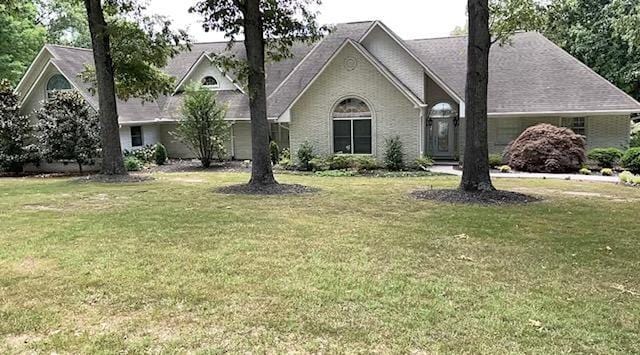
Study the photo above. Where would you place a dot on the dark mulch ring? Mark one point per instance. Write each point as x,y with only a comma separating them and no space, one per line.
275,189
497,197
115,179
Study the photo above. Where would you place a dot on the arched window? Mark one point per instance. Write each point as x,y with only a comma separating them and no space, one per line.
209,82
352,127
57,83
443,110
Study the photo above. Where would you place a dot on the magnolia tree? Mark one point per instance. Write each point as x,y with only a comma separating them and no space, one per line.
16,133
202,127
68,129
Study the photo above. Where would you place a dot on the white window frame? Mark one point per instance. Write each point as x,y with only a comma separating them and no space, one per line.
210,87
569,122
141,136
47,92
361,118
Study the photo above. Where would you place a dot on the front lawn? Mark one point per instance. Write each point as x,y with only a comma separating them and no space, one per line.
171,266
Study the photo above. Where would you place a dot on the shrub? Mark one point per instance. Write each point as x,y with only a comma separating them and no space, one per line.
305,154
606,172
635,179
505,169
625,176
495,160
16,132
605,157
146,154
585,171
545,148
343,162
393,155
285,160
320,164
68,129
274,151
202,127
132,163
423,163
161,154
631,160
635,136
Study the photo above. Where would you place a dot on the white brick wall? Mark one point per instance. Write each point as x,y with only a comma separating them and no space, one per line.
602,131
396,59
393,113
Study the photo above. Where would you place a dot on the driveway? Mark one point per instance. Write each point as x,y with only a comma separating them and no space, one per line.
448,169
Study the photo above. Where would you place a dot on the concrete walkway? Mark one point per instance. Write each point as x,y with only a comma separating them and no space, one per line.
448,169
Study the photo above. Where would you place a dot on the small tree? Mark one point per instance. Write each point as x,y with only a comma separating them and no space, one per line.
68,129
15,133
393,155
202,127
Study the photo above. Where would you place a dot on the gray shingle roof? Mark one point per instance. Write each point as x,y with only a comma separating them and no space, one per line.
530,75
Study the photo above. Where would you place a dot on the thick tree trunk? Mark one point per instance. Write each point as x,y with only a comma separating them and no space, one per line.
261,171
112,161
475,174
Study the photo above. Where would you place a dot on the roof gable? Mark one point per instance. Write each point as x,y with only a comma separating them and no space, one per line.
532,75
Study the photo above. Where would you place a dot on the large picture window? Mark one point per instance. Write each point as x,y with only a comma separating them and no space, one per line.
352,127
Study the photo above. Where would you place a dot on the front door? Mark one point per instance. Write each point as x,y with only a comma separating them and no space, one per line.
442,138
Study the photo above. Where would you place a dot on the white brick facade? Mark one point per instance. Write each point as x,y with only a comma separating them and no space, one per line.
393,113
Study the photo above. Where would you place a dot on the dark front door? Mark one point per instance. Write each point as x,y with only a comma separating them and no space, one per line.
442,138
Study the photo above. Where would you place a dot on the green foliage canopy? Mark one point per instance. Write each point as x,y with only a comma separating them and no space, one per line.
68,129
16,133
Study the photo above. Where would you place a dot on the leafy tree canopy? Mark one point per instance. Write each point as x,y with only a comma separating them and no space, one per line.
20,38
66,22
16,133
202,127
140,46
604,34
68,129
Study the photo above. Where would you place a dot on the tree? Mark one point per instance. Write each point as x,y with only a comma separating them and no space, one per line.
16,133
142,46
603,34
202,127
20,38
270,27
475,175
66,22
68,129
507,16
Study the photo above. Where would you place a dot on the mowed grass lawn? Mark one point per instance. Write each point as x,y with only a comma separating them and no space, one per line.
171,266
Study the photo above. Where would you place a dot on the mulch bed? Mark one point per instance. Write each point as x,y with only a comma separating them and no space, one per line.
114,179
184,166
275,189
497,197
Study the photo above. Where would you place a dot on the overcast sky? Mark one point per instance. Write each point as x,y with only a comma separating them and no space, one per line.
408,18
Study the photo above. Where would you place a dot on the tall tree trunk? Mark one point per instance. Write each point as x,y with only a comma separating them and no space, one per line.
261,171
112,161
475,174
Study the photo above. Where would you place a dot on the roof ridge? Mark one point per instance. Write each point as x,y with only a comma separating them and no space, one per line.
458,36
68,47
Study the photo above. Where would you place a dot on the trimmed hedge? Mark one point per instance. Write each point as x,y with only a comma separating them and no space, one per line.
605,157
631,160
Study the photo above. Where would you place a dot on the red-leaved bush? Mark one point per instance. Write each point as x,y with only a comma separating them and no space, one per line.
545,148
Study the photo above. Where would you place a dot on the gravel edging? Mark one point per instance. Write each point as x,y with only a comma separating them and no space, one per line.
497,197
275,189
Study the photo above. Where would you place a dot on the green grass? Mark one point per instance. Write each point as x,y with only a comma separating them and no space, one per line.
171,266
